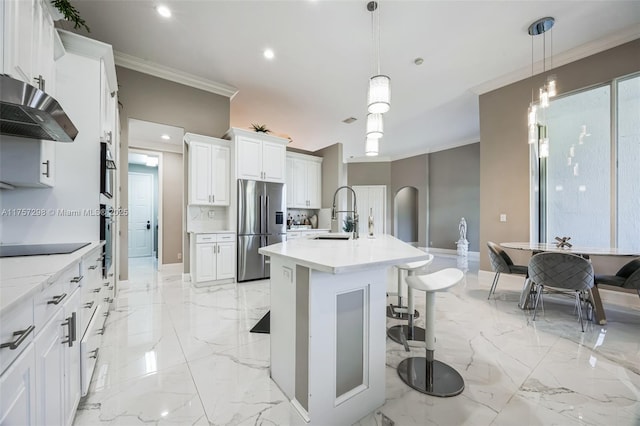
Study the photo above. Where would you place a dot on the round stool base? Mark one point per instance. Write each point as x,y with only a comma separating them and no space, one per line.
391,313
394,333
445,381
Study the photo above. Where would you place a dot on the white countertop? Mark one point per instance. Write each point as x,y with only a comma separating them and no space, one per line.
23,276
201,231
309,230
339,256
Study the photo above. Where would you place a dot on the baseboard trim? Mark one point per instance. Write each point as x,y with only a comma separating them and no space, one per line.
172,268
472,255
214,283
186,277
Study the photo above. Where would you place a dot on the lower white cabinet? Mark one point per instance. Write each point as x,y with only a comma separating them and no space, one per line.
72,392
214,257
18,390
50,372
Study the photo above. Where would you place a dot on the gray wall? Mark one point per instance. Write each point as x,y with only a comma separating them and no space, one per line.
504,152
412,171
173,182
454,192
150,98
333,172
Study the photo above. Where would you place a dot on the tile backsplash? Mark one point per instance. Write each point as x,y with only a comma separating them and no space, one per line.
207,219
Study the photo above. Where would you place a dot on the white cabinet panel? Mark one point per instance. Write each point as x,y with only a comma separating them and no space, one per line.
225,260
304,181
206,262
209,168
273,161
72,391
314,184
249,158
50,372
18,38
18,391
259,156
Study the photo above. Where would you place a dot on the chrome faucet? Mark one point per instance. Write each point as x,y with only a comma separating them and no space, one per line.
334,212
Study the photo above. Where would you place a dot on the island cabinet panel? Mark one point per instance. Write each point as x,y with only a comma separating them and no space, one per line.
328,353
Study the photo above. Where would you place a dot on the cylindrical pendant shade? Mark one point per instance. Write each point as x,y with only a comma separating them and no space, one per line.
371,147
375,128
551,86
532,117
379,94
533,133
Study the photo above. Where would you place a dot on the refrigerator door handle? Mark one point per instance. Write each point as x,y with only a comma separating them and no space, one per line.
260,212
266,217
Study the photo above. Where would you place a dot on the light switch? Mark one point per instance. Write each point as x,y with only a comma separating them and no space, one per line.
503,217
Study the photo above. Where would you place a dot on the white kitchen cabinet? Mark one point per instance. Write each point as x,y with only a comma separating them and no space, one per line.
27,162
259,156
209,161
18,391
215,257
304,181
50,376
72,391
28,43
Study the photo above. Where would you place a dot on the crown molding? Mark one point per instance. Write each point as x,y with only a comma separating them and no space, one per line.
616,39
172,74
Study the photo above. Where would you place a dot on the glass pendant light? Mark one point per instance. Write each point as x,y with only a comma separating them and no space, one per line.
375,128
544,142
379,94
371,147
532,114
533,137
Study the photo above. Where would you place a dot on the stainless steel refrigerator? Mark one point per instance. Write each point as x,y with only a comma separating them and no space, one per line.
261,222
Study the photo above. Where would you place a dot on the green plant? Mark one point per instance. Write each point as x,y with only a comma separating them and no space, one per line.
70,13
260,128
348,224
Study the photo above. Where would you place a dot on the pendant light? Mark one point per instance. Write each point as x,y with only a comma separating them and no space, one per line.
371,147
379,95
375,128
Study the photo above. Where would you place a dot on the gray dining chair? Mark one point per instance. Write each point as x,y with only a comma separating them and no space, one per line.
501,263
627,277
562,271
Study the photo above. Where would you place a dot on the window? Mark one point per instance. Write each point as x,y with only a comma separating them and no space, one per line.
579,196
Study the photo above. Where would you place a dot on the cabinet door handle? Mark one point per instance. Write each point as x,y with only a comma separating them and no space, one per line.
46,164
97,290
89,305
77,279
71,324
23,335
111,288
92,267
213,198
101,330
106,314
41,82
106,284
57,299
95,353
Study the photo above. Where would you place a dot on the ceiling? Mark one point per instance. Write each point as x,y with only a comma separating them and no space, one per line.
323,58
146,132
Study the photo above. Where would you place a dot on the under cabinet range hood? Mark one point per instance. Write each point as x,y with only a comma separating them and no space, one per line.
28,112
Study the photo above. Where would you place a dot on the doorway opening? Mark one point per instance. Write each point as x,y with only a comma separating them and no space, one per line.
145,216
406,214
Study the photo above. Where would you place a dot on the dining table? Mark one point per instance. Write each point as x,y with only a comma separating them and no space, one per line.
596,301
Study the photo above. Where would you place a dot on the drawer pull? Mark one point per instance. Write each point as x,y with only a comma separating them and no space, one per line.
106,314
108,299
106,284
89,305
23,335
101,330
71,324
96,290
92,267
95,353
77,279
100,259
57,299
111,274
111,288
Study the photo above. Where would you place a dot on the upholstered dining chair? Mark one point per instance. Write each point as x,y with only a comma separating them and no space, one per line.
561,271
627,277
501,263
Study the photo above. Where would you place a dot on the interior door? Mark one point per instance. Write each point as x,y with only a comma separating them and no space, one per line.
140,211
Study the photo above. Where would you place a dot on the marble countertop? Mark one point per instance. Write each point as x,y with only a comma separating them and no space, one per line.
309,230
23,276
340,256
222,231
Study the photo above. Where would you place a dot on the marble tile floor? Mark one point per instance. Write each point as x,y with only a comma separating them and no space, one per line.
174,354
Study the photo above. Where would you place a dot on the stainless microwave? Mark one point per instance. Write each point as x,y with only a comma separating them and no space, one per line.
107,169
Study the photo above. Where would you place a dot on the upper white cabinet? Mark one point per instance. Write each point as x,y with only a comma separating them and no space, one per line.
28,43
304,181
30,163
209,161
259,156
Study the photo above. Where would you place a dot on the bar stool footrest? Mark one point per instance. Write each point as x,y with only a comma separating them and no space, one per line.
393,314
394,334
444,380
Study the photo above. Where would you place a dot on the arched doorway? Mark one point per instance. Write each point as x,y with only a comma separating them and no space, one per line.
405,204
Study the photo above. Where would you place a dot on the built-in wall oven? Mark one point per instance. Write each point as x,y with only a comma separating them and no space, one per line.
106,225
107,169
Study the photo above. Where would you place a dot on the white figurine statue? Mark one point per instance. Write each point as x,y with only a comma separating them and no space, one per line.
462,229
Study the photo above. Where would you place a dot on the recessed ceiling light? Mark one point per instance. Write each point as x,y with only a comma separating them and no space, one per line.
164,11
268,53
165,137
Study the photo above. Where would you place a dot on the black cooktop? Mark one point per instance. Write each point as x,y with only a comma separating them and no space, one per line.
39,249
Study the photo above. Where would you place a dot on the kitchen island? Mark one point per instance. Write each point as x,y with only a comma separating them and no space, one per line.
328,323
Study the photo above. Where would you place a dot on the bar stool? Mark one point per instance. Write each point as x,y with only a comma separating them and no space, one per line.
427,375
410,332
